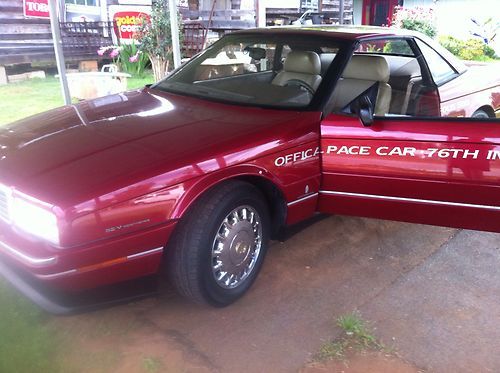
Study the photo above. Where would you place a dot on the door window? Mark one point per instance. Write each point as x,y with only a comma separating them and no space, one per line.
440,70
402,78
389,74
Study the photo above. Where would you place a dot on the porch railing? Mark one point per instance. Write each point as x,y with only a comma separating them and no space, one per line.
83,39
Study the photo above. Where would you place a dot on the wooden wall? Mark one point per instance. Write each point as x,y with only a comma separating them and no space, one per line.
23,40
29,40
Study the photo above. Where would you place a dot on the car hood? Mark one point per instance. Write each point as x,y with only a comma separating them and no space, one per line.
77,152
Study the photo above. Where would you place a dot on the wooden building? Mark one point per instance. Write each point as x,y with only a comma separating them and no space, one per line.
238,14
87,25
26,40
23,40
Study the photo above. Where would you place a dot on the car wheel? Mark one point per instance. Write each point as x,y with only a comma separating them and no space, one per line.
480,114
219,247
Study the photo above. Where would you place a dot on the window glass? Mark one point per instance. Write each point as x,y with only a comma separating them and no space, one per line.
83,2
259,69
389,46
440,69
238,59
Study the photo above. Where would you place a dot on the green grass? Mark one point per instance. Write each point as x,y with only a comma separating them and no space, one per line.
356,335
23,99
20,100
152,364
140,82
354,326
26,342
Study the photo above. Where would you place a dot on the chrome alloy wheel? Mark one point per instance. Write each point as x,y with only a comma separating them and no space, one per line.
236,247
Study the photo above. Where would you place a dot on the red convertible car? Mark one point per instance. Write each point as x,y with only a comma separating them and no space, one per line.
265,128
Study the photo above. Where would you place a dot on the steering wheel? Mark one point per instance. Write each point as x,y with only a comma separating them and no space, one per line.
301,84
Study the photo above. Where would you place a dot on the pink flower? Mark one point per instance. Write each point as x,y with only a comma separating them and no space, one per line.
114,53
101,51
134,58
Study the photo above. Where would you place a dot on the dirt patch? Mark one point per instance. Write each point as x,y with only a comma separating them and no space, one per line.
122,340
362,362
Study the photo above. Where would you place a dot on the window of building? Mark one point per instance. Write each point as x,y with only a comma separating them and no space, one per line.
83,2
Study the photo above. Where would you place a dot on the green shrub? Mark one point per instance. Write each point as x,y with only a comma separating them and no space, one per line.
470,49
453,45
490,52
132,60
473,50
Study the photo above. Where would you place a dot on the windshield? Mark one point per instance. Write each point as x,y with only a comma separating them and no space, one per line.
263,70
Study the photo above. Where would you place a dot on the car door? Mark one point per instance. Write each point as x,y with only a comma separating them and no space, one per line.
433,171
409,164
405,163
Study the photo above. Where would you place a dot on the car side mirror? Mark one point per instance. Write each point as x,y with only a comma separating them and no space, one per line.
364,110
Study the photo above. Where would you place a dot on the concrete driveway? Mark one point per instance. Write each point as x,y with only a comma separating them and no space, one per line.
432,293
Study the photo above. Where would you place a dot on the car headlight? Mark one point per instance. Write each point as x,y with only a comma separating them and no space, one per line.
34,219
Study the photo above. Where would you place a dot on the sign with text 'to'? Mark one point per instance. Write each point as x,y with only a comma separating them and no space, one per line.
36,8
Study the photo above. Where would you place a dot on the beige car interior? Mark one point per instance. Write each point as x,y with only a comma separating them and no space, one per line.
303,66
406,83
326,60
362,73
397,78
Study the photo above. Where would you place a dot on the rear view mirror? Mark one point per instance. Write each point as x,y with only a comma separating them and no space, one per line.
363,108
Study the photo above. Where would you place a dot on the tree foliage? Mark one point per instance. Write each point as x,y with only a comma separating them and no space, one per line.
155,38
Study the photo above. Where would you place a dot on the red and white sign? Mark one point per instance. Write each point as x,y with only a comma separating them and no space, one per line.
36,8
128,20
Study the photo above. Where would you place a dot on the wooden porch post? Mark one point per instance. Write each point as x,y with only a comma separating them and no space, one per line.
56,38
341,11
174,29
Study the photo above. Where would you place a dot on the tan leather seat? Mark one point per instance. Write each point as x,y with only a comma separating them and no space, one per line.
326,60
300,65
362,73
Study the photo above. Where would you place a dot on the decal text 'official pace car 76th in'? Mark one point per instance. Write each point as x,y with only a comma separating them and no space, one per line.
265,128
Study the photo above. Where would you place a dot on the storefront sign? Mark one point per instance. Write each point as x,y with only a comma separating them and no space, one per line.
36,8
127,21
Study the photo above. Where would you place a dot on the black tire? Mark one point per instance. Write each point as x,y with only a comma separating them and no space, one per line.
480,114
194,254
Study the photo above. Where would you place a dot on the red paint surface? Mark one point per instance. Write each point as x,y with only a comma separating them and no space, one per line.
107,163
450,164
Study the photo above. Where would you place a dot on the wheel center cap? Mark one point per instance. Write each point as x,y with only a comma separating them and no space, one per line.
241,248
241,244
